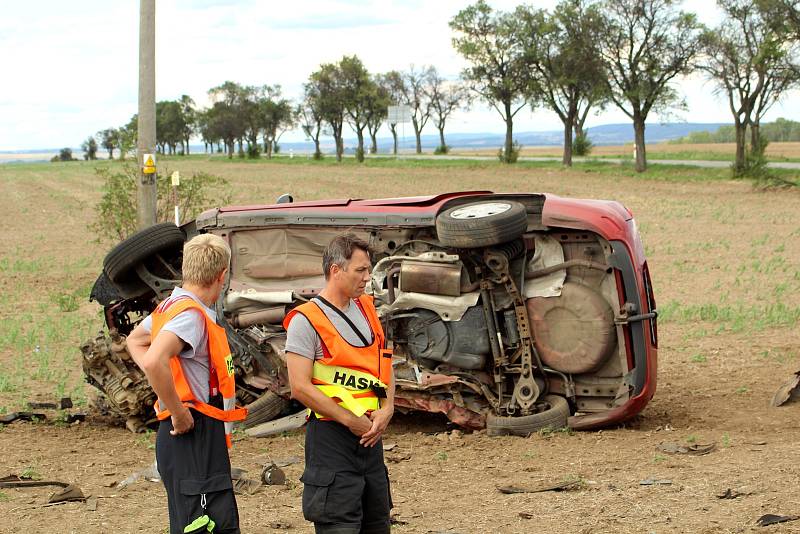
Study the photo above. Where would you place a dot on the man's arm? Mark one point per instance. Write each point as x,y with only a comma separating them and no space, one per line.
153,358
301,371
380,418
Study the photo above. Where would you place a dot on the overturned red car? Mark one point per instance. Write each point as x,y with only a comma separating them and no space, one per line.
514,312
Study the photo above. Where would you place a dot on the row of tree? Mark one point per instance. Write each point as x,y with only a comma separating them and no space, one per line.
582,56
253,118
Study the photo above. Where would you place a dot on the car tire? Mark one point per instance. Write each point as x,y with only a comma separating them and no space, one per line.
481,224
128,254
265,408
554,418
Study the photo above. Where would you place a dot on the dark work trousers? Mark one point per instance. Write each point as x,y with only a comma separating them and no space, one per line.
195,464
346,486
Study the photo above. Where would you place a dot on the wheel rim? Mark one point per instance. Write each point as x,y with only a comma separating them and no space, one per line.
480,211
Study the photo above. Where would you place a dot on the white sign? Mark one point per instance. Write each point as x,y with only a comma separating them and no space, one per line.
399,114
176,179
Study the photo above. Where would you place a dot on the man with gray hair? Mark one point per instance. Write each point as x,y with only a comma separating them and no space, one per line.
340,369
186,358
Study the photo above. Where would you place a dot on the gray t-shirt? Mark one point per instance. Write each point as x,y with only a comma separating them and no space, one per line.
191,328
302,339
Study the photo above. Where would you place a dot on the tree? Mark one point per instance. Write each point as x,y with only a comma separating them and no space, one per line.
783,15
189,120
226,116
276,115
445,98
393,84
310,117
330,97
562,49
65,154
89,148
416,96
357,90
750,61
489,42
109,139
646,44
377,109
127,137
170,126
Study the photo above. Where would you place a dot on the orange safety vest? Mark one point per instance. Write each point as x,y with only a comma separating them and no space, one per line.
354,376
221,376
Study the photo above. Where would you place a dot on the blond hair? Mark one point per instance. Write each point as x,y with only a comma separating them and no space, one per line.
204,257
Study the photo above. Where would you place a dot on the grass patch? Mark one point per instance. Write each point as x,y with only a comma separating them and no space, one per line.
737,317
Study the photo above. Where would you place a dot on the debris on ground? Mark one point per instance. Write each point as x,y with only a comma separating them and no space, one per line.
91,504
526,515
280,525
389,446
397,457
655,482
732,494
148,473
272,475
21,416
289,460
67,492
789,391
564,485
695,449
772,519
276,426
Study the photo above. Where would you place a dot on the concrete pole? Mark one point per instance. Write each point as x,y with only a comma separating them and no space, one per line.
146,187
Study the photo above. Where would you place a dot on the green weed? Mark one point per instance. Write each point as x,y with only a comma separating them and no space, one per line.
658,458
4,497
726,440
741,390
441,456
698,358
30,473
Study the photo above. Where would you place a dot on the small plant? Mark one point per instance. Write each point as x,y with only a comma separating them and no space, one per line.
741,390
581,145
145,440
511,157
66,303
726,440
4,497
253,151
30,473
441,150
698,358
691,438
659,458
441,456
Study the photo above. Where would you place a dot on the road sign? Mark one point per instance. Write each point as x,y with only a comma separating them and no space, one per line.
399,114
148,163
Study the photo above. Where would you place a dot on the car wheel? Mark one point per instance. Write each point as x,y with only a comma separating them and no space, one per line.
553,417
481,224
265,408
127,255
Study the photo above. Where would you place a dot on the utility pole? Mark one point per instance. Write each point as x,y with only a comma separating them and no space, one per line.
145,153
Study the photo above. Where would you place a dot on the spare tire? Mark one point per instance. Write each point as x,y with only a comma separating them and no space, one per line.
265,408
128,254
481,224
553,416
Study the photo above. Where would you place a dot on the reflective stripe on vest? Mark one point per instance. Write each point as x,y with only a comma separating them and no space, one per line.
221,372
354,389
347,373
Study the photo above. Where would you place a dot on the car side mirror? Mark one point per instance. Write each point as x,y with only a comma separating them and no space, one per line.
285,198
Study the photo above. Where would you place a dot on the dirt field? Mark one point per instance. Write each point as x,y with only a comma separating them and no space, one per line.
725,261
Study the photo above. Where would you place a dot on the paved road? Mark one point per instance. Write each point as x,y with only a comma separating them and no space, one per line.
691,163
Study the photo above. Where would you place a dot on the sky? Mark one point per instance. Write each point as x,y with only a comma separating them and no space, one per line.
70,69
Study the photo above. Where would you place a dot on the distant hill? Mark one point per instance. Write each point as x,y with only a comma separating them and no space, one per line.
607,134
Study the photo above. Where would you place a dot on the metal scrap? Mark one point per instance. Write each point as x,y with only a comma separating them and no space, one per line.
789,391
772,519
696,449
21,416
284,424
564,485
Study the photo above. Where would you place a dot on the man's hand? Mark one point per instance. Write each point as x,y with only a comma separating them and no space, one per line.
182,421
380,420
359,425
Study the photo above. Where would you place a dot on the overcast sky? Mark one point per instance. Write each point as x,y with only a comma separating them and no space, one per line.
70,69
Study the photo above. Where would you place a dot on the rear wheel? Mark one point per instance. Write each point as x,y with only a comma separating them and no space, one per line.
554,414
481,224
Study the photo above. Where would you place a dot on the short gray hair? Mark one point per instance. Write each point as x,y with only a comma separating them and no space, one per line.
340,250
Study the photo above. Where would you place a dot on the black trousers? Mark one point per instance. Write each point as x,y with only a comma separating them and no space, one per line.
196,470
346,486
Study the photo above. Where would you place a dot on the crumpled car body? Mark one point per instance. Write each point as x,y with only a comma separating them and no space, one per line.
514,312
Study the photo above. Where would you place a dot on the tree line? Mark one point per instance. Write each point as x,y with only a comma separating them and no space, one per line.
780,131
580,57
